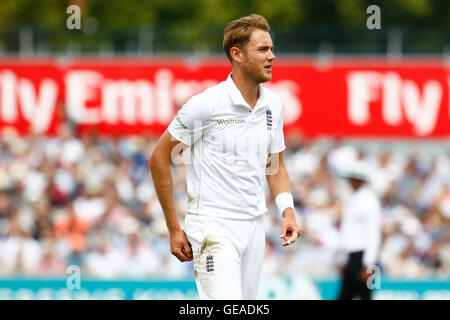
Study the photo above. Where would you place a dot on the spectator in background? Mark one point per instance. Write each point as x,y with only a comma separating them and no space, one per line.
73,229
360,234
52,263
6,206
105,261
19,252
140,260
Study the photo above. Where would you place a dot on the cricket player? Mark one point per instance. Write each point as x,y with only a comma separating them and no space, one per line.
360,234
234,133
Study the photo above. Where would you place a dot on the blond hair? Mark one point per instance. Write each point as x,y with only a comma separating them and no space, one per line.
237,32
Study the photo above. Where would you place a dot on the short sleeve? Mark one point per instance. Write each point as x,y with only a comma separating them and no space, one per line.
191,121
277,139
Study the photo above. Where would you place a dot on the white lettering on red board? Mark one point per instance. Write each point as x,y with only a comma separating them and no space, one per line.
123,100
36,107
420,106
92,98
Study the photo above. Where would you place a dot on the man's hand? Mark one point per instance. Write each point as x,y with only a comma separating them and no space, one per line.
289,228
180,246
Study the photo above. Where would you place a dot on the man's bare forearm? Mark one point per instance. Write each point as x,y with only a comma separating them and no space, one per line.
279,182
162,180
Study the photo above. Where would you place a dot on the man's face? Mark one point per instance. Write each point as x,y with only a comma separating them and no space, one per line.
258,56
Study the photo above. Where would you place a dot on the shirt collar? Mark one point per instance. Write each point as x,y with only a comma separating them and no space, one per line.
238,99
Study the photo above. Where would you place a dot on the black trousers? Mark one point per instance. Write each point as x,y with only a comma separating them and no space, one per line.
352,286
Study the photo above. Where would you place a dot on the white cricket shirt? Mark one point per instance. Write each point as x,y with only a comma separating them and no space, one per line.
230,146
361,224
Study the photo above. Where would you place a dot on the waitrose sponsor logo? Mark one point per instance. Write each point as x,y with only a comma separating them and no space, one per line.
230,121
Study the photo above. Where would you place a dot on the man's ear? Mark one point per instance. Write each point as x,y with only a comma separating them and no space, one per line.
236,54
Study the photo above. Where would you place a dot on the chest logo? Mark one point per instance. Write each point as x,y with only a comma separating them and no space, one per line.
269,119
230,121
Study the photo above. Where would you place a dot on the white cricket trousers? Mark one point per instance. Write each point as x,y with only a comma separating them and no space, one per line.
228,256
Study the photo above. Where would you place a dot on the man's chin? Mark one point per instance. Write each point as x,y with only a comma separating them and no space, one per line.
266,77
261,77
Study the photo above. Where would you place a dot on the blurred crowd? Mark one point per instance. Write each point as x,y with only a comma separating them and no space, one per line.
89,201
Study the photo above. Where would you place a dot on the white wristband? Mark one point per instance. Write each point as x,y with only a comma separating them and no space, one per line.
284,200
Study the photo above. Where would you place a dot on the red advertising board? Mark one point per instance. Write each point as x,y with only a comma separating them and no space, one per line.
344,98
